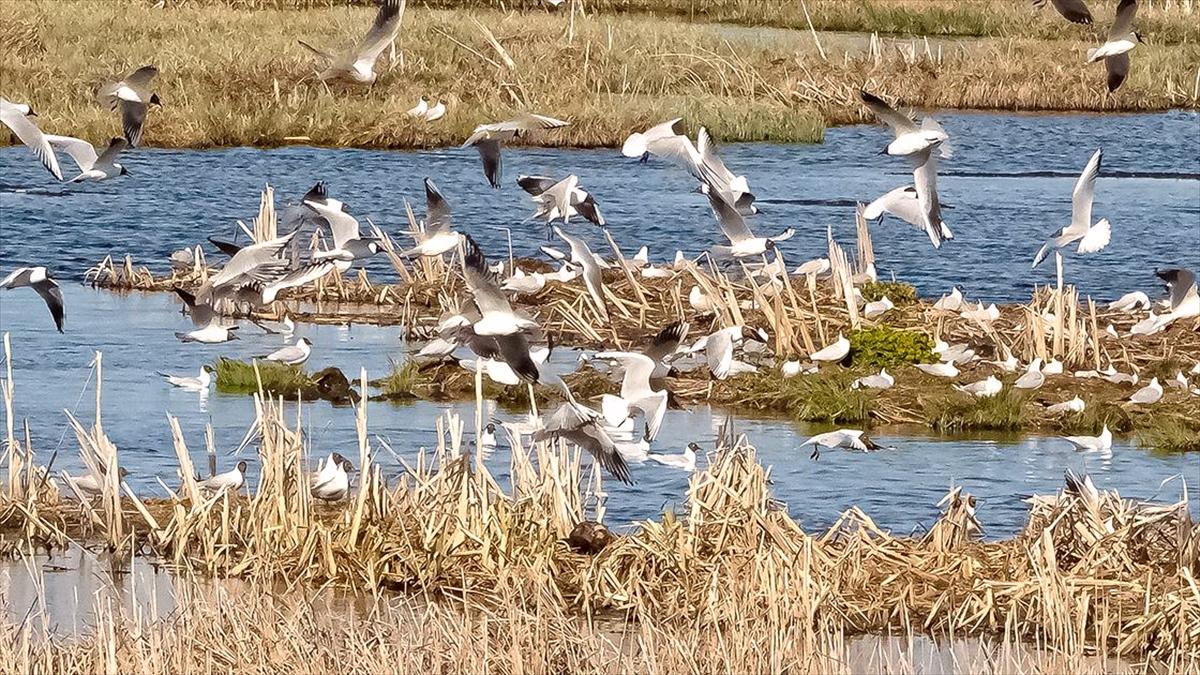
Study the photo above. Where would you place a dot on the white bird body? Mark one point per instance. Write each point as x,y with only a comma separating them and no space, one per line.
813,268
794,368
1130,302
1151,393
685,461
1101,442
981,314
851,439
983,388
938,369
1075,405
638,143
699,301
435,112
1091,238
292,355
1053,367
1008,365
636,393
1032,378
951,302
233,479
1112,48
878,308
836,351
199,383
524,284
883,380
332,482
209,334
419,109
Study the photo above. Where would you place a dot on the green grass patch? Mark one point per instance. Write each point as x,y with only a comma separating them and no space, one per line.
898,292
824,397
886,347
404,381
1095,417
961,412
239,377
1171,436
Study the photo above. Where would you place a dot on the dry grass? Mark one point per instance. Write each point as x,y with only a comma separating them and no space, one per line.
233,76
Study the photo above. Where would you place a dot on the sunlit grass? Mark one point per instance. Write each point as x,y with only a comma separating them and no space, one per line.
1172,436
824,397
961,412
239,377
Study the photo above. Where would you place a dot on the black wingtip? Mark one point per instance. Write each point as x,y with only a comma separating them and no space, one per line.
317,193
228,248
474,257
432,194
868,97
187,296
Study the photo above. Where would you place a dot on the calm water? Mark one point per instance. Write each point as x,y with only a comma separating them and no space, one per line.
1009,182
898,488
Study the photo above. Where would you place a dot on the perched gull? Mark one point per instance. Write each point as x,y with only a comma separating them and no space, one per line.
133,97
1122,38
232,479
983,388
582,426
358,66
199,383
685,461
487,139
92,166
980,313
878,308
812,268
1053,367
835,351
1184,296
910,140
1032,378
1130,302
699,300
16,116
905,203
436,237
639,143
1074,11
1101,442
87,485
1075,405
561,199
851,439
958,354
521,283
582,256
291,355
332,483
1091,238
742,241
636,393
1148,394
348,243
39,279
951,302
718,350
794,368
435,112
883,380
419,110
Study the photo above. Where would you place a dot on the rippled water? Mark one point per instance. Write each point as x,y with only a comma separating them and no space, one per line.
1009,184
898,488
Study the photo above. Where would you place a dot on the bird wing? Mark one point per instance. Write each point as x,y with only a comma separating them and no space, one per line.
289,353
899,122
342,225
13,280
139,80
80,150
1096,238
482,283
663,130
52,294
901,202
257,261
133,118
589,209
1123,23
667,341
719,353
32,137
437,210
115,147
228,248
1074,11
1179,282
383,32
678,149
925,182
1081,197
712,168
638,368
1117,69
325,55
535,185
514,351
593,438
531,122
654,407
733,225
489,154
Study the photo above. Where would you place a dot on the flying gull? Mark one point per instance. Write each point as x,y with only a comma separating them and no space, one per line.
435,237
16,116
133,97
39,279
92,166
561,199
636,393
583,426
1091,238
851,439
1075,11
742,241
497,319
358,65
593,279
1122,38
348,243
487,139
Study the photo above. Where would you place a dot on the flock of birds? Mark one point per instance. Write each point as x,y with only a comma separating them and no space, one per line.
508,344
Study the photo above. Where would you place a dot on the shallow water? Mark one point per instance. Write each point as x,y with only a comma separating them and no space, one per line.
1009,184
898,488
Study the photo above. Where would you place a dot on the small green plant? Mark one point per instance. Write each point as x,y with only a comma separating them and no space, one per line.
961,412
883,346
825,397
238,377
898,292
403,381
1171,436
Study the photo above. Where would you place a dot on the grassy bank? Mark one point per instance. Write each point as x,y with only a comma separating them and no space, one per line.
236,76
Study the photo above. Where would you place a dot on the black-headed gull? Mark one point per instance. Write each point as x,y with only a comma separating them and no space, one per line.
358,65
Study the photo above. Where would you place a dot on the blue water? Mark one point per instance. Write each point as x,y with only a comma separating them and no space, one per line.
1009,184
898,488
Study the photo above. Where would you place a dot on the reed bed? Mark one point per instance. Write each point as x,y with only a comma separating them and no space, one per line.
1091,572
233,76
